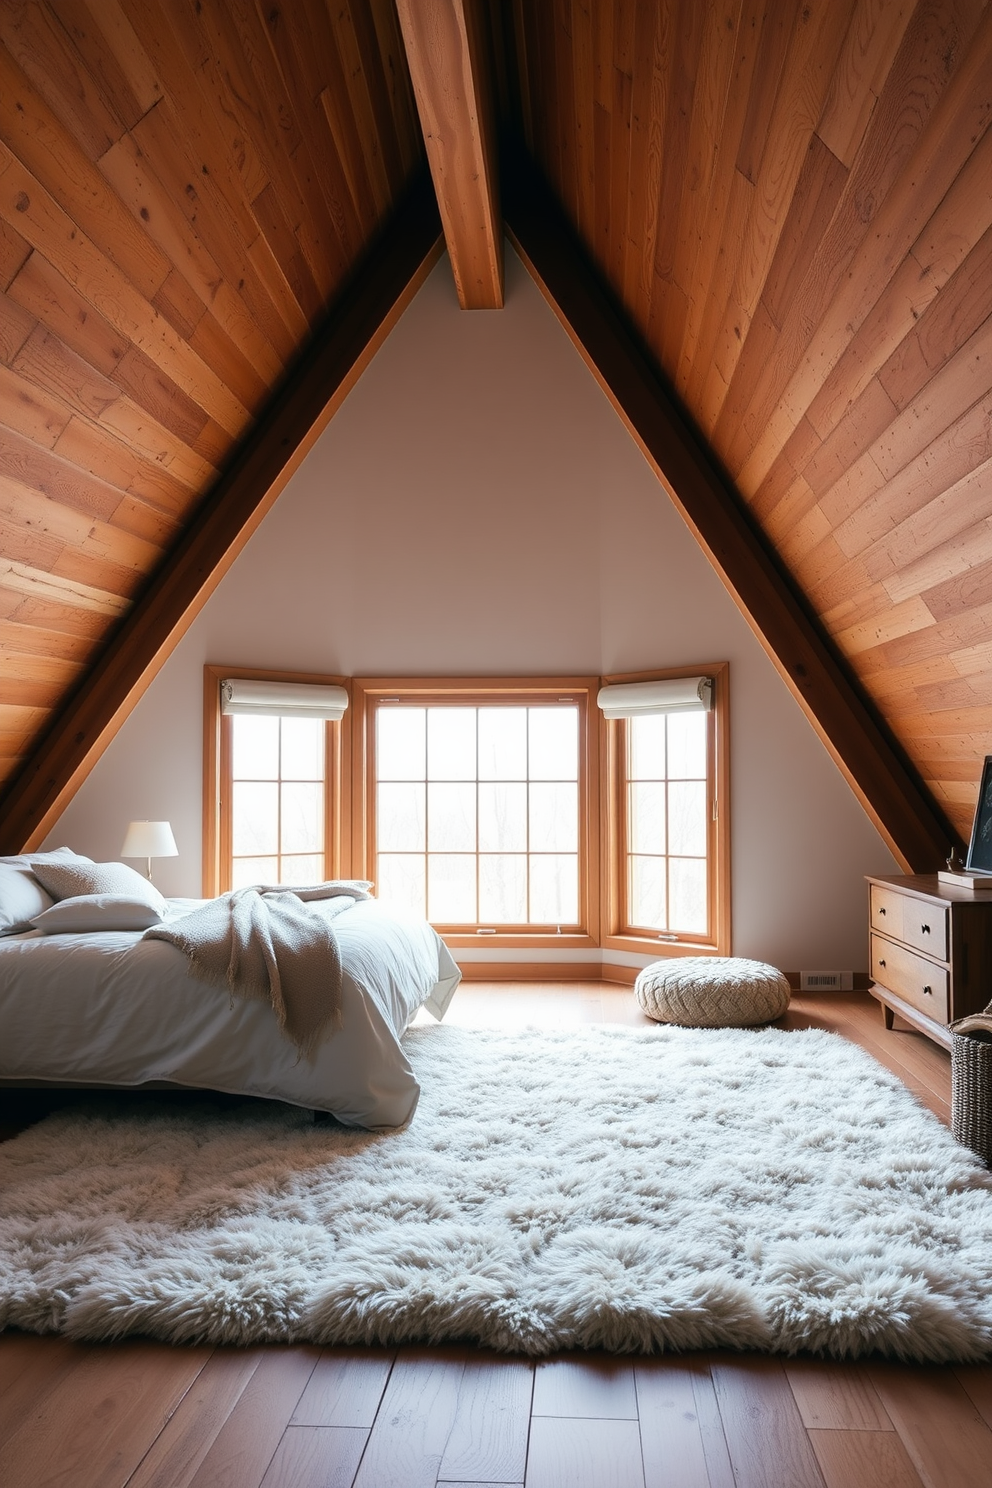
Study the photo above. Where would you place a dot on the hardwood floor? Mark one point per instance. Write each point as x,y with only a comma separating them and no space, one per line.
146,1415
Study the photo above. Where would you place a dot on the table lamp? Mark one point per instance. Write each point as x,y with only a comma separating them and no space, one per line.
148,839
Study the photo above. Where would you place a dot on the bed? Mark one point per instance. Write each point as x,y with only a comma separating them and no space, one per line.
113,1008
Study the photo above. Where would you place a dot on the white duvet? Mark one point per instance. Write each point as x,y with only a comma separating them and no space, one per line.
110,1008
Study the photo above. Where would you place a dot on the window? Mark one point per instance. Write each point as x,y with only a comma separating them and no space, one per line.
666,810
483,804
477,804
273,814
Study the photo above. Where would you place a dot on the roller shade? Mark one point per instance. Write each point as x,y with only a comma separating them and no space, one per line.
283,699
635,699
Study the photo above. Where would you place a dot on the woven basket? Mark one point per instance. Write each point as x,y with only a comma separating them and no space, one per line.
971,1092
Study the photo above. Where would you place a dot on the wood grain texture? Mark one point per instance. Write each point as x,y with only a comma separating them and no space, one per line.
175,219
253,477
449,66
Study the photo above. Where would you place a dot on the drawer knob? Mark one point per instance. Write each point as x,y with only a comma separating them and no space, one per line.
881,909
928,991
880,961
925,929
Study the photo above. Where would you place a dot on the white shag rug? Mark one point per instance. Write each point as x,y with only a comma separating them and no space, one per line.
597,1188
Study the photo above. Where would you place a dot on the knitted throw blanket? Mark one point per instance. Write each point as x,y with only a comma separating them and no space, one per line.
263,943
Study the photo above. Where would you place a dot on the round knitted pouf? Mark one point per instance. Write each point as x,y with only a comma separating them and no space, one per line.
712,992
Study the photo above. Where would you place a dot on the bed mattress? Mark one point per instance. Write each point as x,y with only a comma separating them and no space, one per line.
111,1008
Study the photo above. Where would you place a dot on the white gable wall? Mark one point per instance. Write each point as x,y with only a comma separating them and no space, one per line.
477,507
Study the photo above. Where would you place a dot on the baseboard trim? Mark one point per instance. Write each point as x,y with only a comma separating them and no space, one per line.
593,971
544,971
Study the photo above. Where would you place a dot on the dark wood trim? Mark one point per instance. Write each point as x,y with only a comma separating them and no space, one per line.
871,759
330,365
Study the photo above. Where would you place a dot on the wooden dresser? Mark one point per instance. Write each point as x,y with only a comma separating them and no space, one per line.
931,952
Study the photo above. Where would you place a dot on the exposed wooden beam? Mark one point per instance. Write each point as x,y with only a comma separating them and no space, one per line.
445,49
873,762
262,463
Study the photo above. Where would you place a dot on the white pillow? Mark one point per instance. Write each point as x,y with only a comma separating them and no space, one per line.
21,897
96,912
67,879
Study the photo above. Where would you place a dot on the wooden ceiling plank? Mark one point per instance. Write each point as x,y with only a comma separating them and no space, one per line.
870,48
214,443
47,295
818,191
45,515
951,512
211,342
303,44
249,86
953,116
43,49
444,47
153,389
47,149
964,304
14,252
710,272
16,326
53,232
905,299
959,384
221,162
620,105
30,411
27,464
360,34
18,638
583,98
147,522
111,36
397,87
159,138
967,550
865,421
273,277
48,588
285,248
181,307
32,610
877,769
961,448
813,49
710,104
666,321
654,39
266,458
50,365
140,431
298,53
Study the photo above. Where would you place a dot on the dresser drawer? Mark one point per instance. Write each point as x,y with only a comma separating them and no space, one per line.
919,924
911,977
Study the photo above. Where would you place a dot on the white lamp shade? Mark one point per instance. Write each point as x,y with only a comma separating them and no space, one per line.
148,839
284,699
676,695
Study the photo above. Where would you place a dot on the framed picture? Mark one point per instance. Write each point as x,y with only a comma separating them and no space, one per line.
980,847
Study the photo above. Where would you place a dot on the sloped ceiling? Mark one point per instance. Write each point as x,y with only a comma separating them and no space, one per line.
792,201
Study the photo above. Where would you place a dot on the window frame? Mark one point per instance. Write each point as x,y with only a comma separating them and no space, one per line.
618,933
217,765
368,694
350,806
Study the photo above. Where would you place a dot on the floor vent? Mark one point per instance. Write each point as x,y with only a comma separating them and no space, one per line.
826,981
